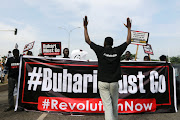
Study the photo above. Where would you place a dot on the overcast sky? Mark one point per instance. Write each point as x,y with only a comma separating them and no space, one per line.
39,21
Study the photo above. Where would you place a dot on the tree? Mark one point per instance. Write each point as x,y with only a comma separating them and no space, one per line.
175,59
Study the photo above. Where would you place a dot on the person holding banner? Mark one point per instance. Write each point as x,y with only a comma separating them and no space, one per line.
66,53
163,58
127,56
108,70
13,66
146,58
29,53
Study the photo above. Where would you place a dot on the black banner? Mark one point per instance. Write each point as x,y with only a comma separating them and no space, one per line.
71,86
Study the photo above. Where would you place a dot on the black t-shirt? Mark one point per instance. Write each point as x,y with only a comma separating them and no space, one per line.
109,61
13,67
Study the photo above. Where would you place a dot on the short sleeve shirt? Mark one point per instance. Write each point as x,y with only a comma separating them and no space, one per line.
109,61
13,67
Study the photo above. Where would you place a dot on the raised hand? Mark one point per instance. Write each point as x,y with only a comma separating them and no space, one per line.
128,25
85,21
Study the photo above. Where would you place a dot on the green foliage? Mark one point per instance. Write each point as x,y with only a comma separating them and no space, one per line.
154,60
175,59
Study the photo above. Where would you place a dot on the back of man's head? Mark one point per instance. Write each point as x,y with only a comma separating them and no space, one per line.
108,41
16,53
163,58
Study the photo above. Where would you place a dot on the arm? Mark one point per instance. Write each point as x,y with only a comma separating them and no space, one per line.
87,39
128,41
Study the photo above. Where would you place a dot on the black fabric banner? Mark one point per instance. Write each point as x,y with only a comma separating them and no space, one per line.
64,85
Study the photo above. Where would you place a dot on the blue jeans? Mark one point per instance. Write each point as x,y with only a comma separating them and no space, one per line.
109,95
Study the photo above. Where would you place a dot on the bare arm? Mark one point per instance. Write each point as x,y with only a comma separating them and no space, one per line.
87,39
128,41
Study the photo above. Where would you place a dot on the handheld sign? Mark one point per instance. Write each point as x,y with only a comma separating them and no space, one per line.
139,37
148,49
51,48
28,47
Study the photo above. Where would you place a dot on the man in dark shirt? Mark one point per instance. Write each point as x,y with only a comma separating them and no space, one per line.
109,70
13,68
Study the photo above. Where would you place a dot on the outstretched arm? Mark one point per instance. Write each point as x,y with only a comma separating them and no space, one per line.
128,41
87,39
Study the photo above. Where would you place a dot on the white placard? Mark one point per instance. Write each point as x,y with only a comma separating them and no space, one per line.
139,37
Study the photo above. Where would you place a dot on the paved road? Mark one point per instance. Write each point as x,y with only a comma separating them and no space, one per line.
30,115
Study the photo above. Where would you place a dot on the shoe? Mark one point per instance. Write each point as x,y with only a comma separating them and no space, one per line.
8,109
19,109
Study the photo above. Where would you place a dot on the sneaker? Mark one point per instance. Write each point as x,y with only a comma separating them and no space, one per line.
8,109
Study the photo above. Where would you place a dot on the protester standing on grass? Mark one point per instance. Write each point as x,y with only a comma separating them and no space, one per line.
108,70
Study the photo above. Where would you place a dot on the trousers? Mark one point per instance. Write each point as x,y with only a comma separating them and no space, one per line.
12,82
109,95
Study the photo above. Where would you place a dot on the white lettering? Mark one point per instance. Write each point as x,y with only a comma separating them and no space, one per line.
147,106
100,106
128,106
136,107
72,107
47,82
67,77
162,84
53,104
63,106
78,83
109,55
133,88
95,107
86,78
157,86
80,108
141,85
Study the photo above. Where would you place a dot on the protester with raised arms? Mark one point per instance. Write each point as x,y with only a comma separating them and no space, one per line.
108,70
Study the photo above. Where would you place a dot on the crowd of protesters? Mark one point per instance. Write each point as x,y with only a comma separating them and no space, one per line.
108,70
12,65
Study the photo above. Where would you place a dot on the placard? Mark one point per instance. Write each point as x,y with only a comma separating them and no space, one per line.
148,49
139,37
51,48
28,47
